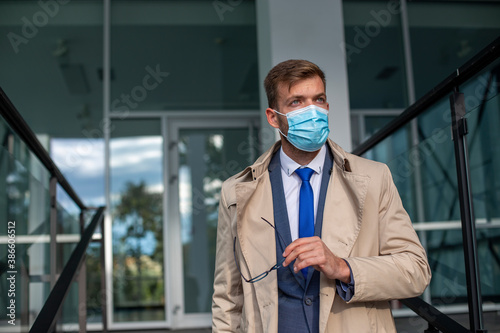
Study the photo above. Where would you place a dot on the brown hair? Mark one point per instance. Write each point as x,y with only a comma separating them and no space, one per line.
289,72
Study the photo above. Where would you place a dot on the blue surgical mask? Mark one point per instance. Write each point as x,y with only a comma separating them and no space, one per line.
307,127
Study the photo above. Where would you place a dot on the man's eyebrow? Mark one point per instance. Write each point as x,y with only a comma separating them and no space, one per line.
302,96
295,97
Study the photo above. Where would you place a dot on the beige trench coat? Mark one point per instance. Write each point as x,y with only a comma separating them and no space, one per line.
364,222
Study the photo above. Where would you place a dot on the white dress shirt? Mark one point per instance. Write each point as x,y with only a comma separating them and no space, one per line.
292,182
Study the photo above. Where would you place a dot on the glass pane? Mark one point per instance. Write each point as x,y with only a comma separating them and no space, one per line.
24,240
422,162
207,158
136,150
175,55
364,125
445,35
82,163
373,124
446,259
433,162
94,287
70,309
424,173
374,55
488,243
391,147
68,227
483,121
482,101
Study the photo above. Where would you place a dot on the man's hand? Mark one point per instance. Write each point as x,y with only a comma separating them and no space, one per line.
311,251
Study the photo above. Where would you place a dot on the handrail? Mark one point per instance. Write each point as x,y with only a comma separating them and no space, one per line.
19,125
433,316
47,317
462,74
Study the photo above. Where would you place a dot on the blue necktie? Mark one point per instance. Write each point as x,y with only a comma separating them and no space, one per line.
306,207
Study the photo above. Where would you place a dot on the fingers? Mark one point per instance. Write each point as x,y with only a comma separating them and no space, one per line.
306,252
311,251
300,242
294,249
315,259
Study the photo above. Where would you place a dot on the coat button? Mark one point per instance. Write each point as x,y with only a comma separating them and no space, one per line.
308,301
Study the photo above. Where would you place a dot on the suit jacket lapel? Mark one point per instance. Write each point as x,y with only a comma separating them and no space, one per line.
280,210
279,201
325,179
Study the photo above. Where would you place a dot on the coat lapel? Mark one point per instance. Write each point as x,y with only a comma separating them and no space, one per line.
257,242
343,212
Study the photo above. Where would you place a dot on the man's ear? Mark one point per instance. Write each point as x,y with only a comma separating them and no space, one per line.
272,118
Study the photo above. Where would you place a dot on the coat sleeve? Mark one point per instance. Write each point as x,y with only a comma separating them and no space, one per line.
400,270
227,301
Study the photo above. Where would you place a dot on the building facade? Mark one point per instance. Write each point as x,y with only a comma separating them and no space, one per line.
148,106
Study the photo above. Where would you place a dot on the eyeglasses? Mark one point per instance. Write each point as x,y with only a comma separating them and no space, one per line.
266,273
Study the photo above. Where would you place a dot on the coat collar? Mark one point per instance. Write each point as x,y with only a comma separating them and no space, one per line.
261,164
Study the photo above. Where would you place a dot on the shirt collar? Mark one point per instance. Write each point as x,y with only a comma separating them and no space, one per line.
289,166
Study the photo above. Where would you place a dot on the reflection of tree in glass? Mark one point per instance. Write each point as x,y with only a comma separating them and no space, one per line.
94,288
140,211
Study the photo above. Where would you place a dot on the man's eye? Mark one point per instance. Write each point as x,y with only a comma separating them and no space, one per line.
295,102
321,99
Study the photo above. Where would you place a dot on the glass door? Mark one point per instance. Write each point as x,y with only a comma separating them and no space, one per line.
136,210
202,154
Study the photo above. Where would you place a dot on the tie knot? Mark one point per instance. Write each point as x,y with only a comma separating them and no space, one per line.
304,174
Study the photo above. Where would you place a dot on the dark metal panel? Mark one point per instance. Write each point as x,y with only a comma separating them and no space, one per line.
459,130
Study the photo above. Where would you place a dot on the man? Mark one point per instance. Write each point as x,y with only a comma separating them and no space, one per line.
311,238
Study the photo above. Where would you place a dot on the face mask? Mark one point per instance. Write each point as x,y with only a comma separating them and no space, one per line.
307,127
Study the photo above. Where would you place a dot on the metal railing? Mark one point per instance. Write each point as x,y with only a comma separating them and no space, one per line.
75,266
450,87
47,317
